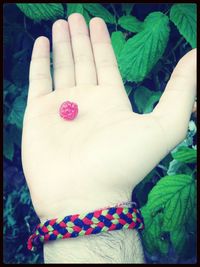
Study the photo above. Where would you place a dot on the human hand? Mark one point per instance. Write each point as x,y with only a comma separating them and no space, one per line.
97,159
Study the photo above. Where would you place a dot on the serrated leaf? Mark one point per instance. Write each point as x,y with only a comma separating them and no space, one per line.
78,8
39,12
97,10
130,23
185,154
17,112
118,41
143,50
127,8
184,16
175,195
145,99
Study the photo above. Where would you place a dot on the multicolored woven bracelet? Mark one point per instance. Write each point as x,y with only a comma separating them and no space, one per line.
107,219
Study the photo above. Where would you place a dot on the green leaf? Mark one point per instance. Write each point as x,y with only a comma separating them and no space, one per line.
175,196
127,8
97,10
74,8
152,235
191,225
39,12
178,238
118,42
143,50
8,145
184,16
78,8
17,112
130,23
185,154
145,99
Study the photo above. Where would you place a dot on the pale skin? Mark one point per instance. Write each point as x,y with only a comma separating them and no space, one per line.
97,159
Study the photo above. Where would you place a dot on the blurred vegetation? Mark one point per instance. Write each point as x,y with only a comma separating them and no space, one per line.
148,40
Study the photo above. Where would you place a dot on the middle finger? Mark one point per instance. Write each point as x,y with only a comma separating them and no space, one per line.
85,72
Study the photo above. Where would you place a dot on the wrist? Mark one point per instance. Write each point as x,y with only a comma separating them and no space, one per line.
122,246
88,247
78,205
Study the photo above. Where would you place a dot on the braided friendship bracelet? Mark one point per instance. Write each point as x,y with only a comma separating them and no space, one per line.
107,219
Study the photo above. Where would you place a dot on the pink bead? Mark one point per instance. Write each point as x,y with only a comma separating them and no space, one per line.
68,110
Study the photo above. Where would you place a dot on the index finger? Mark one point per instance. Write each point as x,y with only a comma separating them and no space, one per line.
40,81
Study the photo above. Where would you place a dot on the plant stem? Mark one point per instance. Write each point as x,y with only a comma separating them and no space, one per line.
162,167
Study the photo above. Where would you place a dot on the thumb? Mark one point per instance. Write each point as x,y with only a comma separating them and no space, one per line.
176,104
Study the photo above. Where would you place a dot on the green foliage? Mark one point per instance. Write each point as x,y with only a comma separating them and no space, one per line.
184,16
146,54
130,23
145,99
153,236
167,210
143,50
118,42
74,8
14,107
39,12
179,238
185,154
98,10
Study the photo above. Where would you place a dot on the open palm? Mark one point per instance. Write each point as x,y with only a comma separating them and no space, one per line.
96,159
